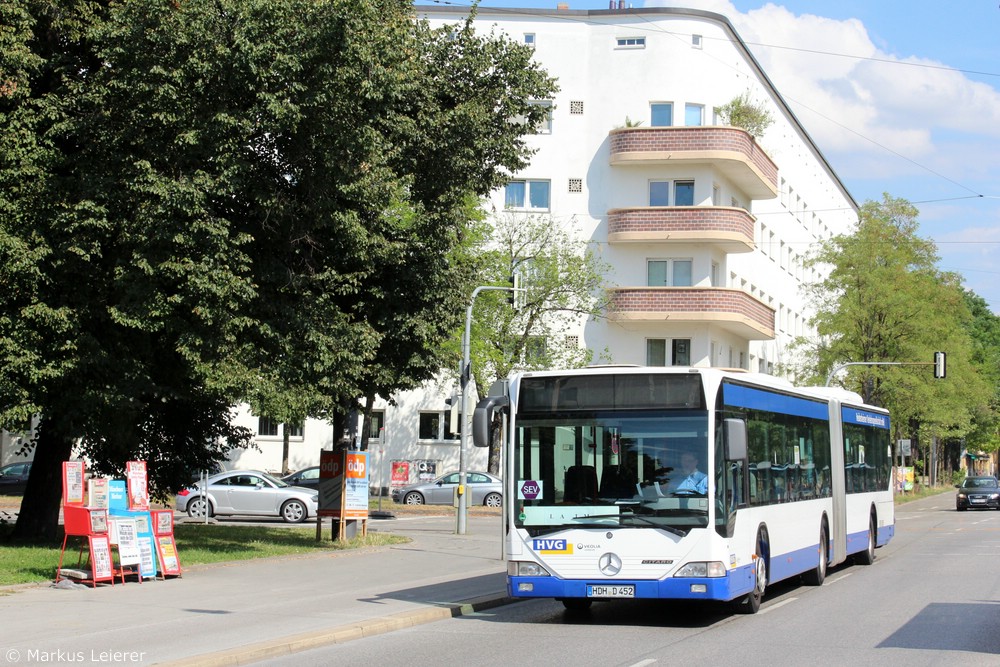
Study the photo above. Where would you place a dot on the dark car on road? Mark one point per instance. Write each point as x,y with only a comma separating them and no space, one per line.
981,491
307,478
14,477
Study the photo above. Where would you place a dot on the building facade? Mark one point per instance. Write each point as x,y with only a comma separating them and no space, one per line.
705,226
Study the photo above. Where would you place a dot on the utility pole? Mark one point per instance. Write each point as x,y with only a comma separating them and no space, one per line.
464,374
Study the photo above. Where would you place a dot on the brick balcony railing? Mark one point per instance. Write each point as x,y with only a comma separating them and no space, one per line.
732,150
732,309
730,228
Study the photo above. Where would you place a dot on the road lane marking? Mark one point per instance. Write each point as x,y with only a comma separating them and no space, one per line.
776,605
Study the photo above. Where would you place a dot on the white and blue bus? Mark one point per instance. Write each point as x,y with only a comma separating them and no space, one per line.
683,483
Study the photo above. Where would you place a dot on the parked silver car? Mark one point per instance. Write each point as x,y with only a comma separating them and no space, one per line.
249,492
486,489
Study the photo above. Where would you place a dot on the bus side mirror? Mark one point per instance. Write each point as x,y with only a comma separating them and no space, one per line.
482,419
735,432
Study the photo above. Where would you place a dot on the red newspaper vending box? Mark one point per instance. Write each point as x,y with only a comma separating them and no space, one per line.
92,524
166,548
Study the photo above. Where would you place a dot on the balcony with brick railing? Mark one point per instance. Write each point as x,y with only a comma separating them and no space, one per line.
730,229
729,149
731,309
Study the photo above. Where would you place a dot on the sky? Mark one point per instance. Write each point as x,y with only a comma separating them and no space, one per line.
901,96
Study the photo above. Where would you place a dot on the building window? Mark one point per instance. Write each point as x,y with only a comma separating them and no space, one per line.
435,426
296,430
534,350
631,42
661,114
716,195
545,125
377,424
430,425
656,352
529,39
533,195
267,427
696,41
683,193
668,273
694,114
659,193
681,351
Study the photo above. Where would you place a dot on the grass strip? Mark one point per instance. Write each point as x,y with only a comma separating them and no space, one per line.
25,563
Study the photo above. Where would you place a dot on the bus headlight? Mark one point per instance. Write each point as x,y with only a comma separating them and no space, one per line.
521,568
712,569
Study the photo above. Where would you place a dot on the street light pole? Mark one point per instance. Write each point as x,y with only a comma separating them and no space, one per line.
464,374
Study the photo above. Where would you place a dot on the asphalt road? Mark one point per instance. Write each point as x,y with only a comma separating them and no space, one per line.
932,598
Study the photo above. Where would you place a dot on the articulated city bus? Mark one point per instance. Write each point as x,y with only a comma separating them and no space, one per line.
683,483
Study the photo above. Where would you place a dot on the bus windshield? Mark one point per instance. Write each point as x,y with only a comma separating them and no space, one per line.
611,468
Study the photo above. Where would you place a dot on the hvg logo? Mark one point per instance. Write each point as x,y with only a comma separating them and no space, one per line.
550,546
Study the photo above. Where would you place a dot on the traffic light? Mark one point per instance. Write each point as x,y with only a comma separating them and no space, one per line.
512,296
939,369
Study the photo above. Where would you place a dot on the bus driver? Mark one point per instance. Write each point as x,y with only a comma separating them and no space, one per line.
690,479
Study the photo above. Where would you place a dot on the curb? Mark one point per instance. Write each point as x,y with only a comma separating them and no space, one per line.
291,644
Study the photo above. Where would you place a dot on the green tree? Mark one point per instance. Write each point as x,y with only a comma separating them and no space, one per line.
745,113
984,333
212,201
883,300
563,279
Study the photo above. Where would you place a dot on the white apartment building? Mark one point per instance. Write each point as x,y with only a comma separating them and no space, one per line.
706,228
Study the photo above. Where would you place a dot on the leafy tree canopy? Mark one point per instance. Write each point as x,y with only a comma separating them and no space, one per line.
563,281
203,202
883,300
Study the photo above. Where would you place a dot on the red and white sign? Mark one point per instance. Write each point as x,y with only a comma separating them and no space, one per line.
138,490
400,473
73,490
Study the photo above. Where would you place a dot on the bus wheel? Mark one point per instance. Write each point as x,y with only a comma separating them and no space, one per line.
751,602
577,604
867,557
816,576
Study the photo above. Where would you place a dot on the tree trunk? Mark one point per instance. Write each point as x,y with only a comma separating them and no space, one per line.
38,518
284,449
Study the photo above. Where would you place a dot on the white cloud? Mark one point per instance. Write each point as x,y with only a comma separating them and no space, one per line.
868,99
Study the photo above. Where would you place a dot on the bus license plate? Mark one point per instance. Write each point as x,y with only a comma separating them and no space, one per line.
603,591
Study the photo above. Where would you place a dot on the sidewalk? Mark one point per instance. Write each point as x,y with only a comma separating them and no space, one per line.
237,613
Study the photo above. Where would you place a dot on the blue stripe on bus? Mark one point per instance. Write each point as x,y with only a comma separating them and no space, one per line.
739,582
739,396
864,417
